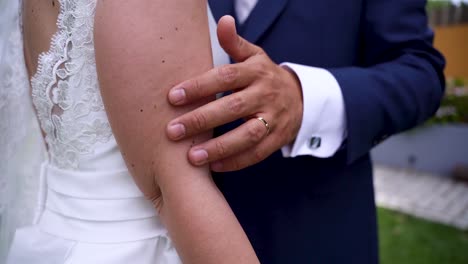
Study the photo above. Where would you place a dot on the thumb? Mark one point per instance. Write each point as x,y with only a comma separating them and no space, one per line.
235,46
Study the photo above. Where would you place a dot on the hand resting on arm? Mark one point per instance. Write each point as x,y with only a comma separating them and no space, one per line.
143,48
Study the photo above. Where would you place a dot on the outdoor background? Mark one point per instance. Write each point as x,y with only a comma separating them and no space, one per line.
421,176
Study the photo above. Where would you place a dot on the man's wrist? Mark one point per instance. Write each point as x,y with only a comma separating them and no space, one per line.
293,76
323,127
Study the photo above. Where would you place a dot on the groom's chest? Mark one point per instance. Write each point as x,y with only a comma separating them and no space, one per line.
303,31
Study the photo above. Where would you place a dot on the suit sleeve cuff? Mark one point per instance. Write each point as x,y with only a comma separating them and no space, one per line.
323,127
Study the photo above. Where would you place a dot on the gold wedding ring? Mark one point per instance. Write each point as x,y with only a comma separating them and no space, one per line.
265,123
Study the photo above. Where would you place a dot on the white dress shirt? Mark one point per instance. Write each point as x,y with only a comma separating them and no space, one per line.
323,127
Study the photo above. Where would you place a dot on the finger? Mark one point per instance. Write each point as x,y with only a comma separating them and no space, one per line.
236,141
217,80
235,46
247,158
214,114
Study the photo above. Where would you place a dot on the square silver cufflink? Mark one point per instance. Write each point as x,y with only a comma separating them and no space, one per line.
315,142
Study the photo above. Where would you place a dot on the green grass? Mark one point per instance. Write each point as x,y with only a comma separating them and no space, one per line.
408,240
437,4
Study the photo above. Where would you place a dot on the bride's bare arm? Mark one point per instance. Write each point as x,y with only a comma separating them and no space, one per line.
142,49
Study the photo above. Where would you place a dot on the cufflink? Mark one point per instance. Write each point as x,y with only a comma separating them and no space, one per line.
315,142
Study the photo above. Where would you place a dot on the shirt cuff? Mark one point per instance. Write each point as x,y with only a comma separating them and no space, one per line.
323,127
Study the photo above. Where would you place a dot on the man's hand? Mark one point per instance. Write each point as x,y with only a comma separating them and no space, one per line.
260,88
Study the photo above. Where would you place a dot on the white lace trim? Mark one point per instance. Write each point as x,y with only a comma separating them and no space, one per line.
65,88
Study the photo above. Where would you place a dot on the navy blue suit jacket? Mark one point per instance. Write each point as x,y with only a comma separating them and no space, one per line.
309,210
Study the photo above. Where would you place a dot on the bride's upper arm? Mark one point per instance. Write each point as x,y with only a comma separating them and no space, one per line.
143,48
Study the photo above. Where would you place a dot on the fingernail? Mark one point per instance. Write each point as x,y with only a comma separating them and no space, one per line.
177,95
199,156
216,166
176,131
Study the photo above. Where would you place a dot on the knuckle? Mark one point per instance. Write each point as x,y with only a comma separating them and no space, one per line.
241,43
258,156
235,103
199,121
194,88
227,74
236,164
264,70
264,64
256,132
270,74
221,149
271,95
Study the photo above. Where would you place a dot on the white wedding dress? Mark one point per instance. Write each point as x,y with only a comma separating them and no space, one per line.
89,209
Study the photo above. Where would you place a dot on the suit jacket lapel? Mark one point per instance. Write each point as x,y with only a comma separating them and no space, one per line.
261,18
221,8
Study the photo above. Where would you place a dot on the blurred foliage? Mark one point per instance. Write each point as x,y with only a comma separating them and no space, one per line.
408,240
458,82
454,106
458,110
436,4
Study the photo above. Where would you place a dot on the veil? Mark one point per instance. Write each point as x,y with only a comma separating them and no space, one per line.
21,148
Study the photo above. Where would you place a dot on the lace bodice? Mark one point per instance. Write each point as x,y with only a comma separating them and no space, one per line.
65,89
85,182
